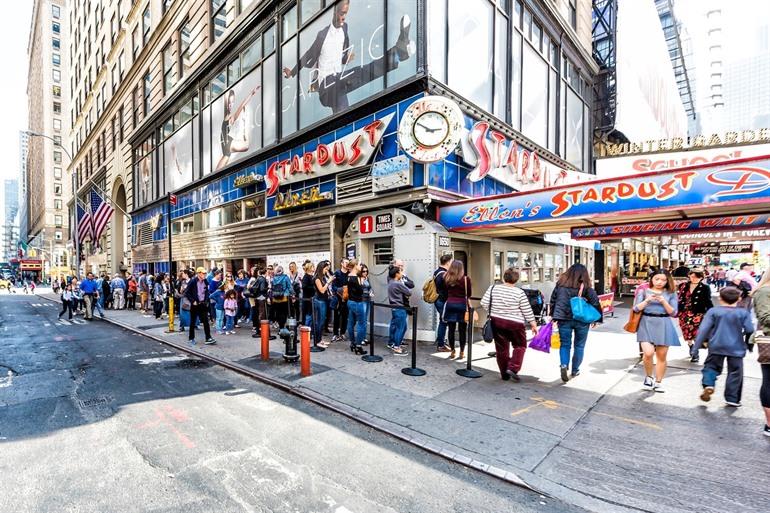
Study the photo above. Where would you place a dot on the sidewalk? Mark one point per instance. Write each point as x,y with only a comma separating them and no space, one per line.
598,441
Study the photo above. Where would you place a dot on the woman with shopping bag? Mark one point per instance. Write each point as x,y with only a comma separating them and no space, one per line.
575,308
509,312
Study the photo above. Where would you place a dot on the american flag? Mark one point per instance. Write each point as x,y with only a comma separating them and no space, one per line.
101,211
84,223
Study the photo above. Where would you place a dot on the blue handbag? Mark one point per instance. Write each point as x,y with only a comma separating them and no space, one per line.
581,310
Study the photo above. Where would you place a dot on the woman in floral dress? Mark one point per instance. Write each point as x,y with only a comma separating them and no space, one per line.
694,302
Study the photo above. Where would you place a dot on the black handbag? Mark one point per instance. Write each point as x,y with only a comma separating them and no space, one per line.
487,332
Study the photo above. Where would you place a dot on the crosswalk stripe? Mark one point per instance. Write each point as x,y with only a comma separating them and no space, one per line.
78,321
64,322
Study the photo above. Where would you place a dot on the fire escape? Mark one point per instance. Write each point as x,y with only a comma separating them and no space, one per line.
604,28
673,34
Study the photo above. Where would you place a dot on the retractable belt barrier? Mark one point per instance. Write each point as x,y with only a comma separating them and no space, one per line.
412,370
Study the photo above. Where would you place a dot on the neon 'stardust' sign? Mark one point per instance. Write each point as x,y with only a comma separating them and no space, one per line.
309,196
681,143
348,152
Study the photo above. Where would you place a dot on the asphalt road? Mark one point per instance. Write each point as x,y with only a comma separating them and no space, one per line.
93,418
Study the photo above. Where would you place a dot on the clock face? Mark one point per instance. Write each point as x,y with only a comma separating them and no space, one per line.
431,128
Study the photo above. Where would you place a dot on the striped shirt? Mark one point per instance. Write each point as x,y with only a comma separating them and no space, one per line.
509,303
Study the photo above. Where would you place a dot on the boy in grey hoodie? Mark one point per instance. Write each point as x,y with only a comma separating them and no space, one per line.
724,327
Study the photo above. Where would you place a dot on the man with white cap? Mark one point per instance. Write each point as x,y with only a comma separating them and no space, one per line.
197,292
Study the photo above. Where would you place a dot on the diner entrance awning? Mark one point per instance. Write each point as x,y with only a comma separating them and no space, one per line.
736,191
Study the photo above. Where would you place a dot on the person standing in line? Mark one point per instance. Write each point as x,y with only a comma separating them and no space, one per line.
260,291
576,281
322,280
131,290
510,313
143,291
197,292
398,295
184,303
366,284
339,300
231,309
214,284
308,291
281,296
252,301
158,295
656,332
694,301
218,300
90,293
356,308
724,327
118,287
67,301
296,285
456,308
438,278
761,299
243,304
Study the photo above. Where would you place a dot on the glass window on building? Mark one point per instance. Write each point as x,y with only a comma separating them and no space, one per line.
512,259
169,68
498,263
232,213
56,91
534,97
222,15
289,89
251,55
57,124
57,236
56,76
56,44
166,4
147,90
56,27
146,25
135,43
574,129
213,218
57,204
57,220
309,8
254,207
57,157
470,50
289,25
185,38
57,189
55,12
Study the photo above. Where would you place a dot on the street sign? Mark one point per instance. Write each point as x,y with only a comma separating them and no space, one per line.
384,223
366,224
172,199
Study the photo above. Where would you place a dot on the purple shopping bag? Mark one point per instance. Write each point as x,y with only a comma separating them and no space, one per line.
542,341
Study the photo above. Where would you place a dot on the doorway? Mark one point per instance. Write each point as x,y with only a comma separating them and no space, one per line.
119,242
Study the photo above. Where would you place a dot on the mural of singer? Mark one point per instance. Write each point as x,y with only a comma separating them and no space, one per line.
331,54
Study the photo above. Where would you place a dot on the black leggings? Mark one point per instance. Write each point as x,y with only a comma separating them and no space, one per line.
66,305
157,307
463,328
764,391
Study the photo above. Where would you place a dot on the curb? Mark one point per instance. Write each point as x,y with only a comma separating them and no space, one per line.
344,410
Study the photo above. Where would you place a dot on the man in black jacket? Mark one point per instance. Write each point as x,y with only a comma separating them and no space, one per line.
330,54
197,292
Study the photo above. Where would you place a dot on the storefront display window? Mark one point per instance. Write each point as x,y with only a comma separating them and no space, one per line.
526,259
498,274
254,207
232,213
513,259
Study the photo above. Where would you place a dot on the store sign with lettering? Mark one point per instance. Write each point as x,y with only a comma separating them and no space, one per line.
744,182
612,167
757,234
607,302
247,179
715,248
679,143
391,173
493,154
308,196
351,151
672,227
384,223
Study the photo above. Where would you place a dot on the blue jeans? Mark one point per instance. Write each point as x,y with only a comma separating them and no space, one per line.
184,318
712,368
220,320
356,322
441,331
397,327
320,307
229,322
580,329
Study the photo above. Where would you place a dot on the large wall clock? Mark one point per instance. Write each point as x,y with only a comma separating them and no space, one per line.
430,128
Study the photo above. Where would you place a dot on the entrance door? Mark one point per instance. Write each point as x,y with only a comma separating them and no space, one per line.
462,256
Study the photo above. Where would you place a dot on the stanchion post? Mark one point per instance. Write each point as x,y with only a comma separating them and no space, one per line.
264,330
304,354
371,357
267,314
468,371
413,370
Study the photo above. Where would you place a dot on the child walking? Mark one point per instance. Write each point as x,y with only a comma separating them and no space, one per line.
724,327
218,298
231,308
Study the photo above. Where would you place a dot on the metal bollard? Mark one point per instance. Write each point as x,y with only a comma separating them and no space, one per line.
468,371
413,370
264,330
304,351
170,314
371,357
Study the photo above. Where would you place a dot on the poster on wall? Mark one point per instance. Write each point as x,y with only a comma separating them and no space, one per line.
344,57
236,121
178,158
145,180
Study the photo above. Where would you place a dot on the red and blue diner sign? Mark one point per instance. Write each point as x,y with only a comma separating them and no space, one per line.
738,182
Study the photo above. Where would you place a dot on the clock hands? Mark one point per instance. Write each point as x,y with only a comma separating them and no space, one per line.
431,130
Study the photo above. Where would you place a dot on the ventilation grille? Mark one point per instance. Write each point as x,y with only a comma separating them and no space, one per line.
354,185
145,234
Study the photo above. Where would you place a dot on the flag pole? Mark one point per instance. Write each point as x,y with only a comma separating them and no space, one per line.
107,198
77,238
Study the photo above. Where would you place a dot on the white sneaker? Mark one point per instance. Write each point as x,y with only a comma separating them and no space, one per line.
649,384
734,405
658,387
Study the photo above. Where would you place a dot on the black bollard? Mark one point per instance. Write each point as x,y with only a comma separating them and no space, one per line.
371,357
413,370
468,371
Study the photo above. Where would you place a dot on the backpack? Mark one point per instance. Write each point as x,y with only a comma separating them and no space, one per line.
429,289
536,301
279,287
